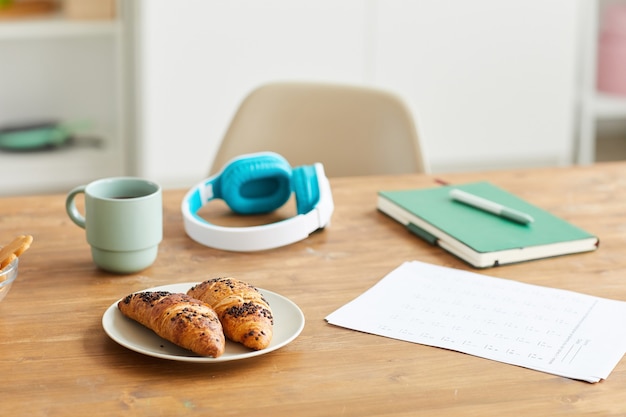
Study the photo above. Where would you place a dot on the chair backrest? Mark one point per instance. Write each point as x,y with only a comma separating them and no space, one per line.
351,130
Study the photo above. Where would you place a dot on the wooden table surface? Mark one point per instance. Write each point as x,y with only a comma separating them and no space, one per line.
56,360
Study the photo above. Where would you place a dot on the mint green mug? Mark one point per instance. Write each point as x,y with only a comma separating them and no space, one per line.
123,220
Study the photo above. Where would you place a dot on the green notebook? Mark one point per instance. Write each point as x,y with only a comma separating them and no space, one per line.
481,238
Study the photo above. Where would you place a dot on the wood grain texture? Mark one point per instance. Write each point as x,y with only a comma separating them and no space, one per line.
56,360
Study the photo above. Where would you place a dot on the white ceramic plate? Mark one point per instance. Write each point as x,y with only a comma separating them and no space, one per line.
288,323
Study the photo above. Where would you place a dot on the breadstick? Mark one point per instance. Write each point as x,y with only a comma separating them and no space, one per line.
14,249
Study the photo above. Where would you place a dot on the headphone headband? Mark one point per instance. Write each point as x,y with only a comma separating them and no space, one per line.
254,238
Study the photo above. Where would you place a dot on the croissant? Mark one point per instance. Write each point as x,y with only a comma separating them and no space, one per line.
179,318
245,315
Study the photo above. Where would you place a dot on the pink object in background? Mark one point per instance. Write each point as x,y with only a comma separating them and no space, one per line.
612,51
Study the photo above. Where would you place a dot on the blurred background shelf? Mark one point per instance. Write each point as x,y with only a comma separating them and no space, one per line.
602,116
55,26
165,98
53,170
59,66
608,106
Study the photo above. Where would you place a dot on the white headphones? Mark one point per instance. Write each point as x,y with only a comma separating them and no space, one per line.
260,183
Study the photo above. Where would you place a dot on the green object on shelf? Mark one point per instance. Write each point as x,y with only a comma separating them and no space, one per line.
34,136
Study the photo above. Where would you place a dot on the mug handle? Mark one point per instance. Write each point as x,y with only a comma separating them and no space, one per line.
70,206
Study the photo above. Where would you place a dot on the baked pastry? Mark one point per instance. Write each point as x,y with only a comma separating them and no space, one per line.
15,248
245,315
179,318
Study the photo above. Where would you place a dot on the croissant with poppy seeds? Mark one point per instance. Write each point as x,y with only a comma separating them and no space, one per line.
245,315
179,318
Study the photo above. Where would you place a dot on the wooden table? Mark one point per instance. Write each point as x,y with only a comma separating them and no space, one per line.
56,360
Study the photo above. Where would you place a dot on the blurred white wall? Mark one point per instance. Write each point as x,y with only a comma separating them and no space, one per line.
492,83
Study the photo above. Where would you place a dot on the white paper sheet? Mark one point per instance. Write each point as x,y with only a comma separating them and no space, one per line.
551,330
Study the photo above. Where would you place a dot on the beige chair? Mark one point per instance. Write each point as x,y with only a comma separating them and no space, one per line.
351,130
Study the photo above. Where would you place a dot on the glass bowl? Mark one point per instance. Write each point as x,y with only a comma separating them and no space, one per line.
7,276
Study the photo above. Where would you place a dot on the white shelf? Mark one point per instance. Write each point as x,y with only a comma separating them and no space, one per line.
65,70
594,105
55,26
606,106
55,170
